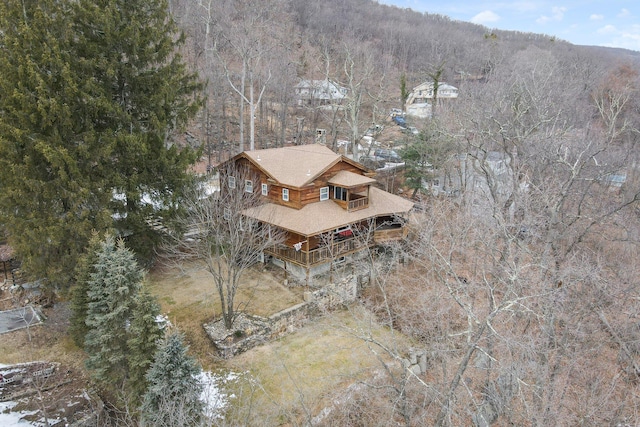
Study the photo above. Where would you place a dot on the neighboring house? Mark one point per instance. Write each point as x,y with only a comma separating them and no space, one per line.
419,100
319,92
328,205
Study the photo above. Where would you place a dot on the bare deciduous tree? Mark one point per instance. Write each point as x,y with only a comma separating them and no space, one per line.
248,40
216,233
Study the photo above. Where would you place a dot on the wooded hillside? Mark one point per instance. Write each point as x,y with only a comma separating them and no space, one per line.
367,48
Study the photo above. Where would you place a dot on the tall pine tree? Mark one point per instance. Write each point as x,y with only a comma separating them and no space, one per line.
91,93
50,199
113,287
173,395
130,48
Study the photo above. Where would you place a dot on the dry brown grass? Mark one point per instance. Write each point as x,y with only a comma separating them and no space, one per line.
297,371
306,368
190,299
47,341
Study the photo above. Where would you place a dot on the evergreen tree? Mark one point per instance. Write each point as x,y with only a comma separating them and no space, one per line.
113,287
404,92
173,395
129,47
144,335
426,155
90,94
51,197
79,293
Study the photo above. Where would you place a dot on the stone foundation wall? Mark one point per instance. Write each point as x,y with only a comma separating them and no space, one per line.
292,318
251,331
335,294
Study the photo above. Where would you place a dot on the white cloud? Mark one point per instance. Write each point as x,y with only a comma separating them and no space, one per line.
596,17
629,38
624,13
625,38
557,14
608,29
485,17
523,6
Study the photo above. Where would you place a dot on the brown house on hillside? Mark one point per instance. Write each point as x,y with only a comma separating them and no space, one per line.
328,205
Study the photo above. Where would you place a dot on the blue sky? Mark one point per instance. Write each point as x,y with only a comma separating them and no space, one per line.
612,23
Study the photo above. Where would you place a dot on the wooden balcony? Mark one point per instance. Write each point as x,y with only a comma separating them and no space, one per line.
358,202
390,234
355,203
318,255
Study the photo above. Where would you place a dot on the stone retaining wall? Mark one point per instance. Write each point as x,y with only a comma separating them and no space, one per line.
251,331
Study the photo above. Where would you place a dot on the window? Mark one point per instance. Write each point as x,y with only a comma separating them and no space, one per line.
227,214
285,194
248,186
339,193
232,182
265,190
324,193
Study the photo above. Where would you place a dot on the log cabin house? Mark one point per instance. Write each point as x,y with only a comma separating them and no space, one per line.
328,205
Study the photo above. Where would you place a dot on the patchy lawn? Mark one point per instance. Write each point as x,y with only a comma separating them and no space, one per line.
190,299
293,377
47,341
283,382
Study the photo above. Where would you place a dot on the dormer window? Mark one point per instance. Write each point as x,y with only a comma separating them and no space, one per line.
285,194
324,193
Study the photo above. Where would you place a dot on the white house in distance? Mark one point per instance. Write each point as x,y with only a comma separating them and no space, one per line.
319,92
419,100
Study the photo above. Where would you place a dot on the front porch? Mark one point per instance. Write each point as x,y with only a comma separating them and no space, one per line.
321,254
316,250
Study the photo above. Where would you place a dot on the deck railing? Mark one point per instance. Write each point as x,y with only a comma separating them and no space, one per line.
356,204
318,255
390,234
338,248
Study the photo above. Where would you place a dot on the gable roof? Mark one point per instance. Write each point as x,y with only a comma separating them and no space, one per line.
295,166
349,179
323,216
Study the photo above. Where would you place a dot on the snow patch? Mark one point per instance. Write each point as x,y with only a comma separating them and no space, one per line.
213,396
11,419
162,320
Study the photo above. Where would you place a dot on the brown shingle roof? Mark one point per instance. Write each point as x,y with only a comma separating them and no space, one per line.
294,166
322,216
349,179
